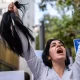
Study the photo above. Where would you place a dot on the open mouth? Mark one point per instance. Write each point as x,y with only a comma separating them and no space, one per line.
59,51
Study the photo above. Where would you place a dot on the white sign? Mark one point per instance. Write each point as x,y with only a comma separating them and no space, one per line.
12,75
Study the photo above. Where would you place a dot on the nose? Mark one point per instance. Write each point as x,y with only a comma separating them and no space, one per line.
58,45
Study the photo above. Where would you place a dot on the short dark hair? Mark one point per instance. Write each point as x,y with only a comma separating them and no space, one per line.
45,54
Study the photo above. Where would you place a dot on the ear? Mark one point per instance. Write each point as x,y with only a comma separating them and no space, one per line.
49,57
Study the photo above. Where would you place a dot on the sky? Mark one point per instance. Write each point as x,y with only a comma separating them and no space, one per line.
39,14
50,10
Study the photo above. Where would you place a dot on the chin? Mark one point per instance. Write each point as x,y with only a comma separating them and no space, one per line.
62,58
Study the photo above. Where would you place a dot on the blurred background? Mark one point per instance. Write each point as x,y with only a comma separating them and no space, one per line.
47,19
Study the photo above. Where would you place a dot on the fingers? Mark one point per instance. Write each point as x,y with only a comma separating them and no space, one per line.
11,7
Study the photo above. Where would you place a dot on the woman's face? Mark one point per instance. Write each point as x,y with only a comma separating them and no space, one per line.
57,51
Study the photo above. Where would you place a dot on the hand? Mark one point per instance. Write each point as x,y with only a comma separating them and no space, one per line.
13,8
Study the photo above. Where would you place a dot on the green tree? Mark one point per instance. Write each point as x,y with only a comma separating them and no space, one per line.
59,28
64,27
67,27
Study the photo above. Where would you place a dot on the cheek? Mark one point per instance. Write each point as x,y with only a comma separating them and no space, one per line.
52,53
64,53
64,50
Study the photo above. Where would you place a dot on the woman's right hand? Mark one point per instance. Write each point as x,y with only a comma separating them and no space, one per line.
13,8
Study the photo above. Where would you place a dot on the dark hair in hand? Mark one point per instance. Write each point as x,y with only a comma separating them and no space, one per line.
21,7
9,33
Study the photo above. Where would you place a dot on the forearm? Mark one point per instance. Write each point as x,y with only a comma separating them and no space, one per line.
77,59
28,54
76,65
35,64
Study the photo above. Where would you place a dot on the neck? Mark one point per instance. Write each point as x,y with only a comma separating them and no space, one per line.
59,67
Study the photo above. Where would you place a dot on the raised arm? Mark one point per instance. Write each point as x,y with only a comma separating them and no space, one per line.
76,65
35,64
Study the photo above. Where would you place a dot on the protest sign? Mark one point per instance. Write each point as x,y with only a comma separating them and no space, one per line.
12,75
76,44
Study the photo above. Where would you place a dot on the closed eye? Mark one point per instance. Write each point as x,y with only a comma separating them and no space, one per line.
62,45
53,45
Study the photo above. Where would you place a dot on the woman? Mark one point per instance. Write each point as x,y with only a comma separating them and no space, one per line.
55,61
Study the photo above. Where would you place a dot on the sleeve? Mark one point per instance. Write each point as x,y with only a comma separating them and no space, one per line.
35,64
76,65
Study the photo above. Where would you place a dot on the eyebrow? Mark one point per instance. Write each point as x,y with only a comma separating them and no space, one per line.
55,42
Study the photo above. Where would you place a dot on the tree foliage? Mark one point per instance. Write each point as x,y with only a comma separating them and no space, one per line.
67,27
